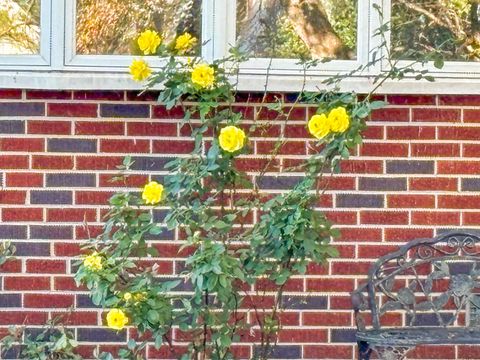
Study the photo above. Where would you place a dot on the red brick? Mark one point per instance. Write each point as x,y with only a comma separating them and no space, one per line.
303,335
11,266
411,201
410,132
411,99
330,285
18,144
471,150
328,351
49,95
384,150
19,214
24,180
384,217
72,110
290,113
52,162
373,132
99,95
151,129
458,167
435,150
87,232
350,268
432,184
391,114
130,181
459,133
161,112
287,147
124,146
46,266
290,285
471,218
49,127
361,166
256,164
23,318
13,162
98,162
459,100
172,146
374,251
10,94
66,283
342,217
471,115
77,317
327,318
67,249
53,301
20,283
436,115
99,128
435,218
71,215
92,197
12,197
360,234
458,202
433,352
468,352
403,235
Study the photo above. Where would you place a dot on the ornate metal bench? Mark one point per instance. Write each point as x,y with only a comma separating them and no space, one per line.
430,288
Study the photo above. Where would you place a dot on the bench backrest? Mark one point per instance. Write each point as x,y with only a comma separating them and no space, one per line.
429,281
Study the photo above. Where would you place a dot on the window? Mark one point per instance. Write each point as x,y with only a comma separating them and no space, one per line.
53,43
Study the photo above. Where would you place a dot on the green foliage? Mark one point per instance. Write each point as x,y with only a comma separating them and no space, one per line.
52,343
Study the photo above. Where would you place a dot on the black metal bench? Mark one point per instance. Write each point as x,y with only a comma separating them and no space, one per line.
431,287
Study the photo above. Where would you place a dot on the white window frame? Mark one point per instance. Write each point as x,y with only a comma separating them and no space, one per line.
43,58
58,67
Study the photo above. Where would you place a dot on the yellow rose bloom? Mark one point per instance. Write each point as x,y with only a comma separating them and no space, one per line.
152,193
203,76
127,296
140,70
319,126
339,119
231,138
148,41
185,43
140,296
93,262
116,319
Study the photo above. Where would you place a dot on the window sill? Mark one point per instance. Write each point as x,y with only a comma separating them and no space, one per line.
247,82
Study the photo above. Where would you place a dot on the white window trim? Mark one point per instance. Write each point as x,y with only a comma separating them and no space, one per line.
57,67
43,59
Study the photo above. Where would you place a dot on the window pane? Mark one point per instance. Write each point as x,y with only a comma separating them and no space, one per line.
449,26
298,28
19,27
110,27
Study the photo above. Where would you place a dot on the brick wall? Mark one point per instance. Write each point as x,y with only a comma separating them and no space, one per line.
415,176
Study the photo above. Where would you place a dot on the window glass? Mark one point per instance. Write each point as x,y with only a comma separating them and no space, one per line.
298,28
19,27
451,27
110,27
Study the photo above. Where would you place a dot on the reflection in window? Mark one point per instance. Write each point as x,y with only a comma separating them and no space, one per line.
451,27
110,27
19,27
298,28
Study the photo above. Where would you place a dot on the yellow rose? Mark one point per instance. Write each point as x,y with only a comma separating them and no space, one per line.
140,296
148,41
152,193
319,126
339,119
140,70
127,296
185,43
116,319
203,76
93,262
231,138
